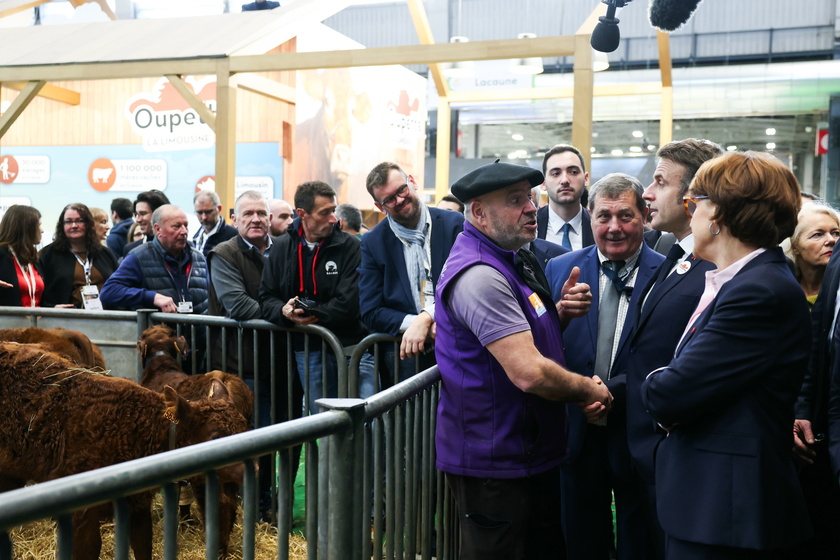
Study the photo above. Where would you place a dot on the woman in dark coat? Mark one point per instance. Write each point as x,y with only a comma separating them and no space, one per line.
76,260
21,279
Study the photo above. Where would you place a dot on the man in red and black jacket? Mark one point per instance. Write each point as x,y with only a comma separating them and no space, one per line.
311,278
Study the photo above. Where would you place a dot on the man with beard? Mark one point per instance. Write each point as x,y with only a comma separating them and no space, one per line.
213,230
166,273
501,420
282,215
564,220
617,268
401,261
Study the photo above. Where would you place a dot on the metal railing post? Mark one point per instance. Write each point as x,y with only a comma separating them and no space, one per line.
345,472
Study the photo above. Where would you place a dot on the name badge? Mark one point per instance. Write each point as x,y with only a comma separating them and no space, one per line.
185,307
683,267
539,306
90,298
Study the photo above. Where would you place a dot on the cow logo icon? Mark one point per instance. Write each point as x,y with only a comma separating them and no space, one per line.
102,174
331,268
8,169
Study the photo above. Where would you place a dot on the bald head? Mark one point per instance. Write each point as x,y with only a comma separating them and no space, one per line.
282,215
170,226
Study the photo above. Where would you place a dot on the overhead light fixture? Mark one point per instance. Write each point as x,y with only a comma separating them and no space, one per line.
770,132
638,134
533,65
732,148
617,152
771,145
518,137
636,149
600,61
460,69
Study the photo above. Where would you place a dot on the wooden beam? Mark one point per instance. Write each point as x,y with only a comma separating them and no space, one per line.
225,134
264,86
562,45
19,104
50,91
552,93
584,89
666,118
663,42
9,7
444,122
424,33
189,95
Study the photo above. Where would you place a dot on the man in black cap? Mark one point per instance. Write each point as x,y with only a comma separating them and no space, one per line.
502,415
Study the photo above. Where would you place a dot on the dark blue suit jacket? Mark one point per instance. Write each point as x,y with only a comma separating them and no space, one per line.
581,336
812,403
725,474
385,294
586,226
546,250
657,329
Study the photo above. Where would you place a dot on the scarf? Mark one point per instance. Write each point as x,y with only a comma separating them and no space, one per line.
414,242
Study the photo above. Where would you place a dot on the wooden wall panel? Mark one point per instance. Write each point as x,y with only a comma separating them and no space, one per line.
101,118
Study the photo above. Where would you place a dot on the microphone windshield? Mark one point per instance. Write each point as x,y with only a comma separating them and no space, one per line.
605,36
670,15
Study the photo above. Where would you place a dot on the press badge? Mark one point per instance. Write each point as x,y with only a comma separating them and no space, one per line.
539,307
185,307
90,298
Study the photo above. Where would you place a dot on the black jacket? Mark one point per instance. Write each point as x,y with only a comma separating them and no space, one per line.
336,278
10,297
59,267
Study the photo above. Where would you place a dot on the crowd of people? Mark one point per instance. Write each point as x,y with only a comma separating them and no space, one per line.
649,347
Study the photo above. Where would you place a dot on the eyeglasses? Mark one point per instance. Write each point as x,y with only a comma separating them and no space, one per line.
690,203
208,212
402,192
78,222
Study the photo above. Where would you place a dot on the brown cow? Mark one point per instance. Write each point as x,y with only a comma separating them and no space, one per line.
73,345
159,348
60,422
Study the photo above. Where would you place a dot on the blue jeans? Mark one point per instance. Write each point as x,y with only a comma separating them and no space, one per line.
316,389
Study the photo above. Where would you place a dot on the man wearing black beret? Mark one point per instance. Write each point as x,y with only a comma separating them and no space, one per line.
502,415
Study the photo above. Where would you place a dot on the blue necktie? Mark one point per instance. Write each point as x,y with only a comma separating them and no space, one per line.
567,239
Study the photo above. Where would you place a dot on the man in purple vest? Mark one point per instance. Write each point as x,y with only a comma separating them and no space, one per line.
501,425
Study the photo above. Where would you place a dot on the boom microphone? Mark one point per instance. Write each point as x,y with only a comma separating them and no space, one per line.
670,15
606,36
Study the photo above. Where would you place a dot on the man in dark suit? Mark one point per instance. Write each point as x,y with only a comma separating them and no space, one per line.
401,261
214,229
616,269
564,220
666,303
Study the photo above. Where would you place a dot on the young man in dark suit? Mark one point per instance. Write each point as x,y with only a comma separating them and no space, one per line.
616,269
564,220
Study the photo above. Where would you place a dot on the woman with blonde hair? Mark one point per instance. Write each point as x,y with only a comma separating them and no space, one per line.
21,279
811,245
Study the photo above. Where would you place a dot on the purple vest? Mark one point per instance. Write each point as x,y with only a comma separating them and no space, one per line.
486,426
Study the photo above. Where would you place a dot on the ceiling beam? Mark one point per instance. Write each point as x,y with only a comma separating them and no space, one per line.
264,86
19,104
195,102
424,33
50,91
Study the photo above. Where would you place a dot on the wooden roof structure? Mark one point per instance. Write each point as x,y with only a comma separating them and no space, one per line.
233,47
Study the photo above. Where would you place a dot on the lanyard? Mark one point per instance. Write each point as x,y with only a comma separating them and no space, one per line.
176,284
85,266
29,278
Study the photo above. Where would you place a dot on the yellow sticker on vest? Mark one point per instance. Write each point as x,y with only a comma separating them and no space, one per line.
539,307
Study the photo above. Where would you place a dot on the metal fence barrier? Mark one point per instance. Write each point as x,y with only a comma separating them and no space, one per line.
371,487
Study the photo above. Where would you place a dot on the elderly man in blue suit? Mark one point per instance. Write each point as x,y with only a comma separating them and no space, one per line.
616,268
401,261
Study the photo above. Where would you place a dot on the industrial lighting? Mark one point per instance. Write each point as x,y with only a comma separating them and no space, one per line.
732,148
770,132
771,145
636,149
533,65
518,137
638,134
617,152
600,61
460,69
